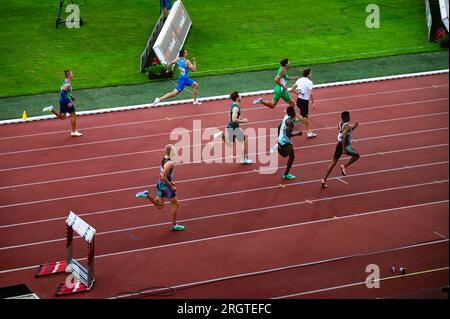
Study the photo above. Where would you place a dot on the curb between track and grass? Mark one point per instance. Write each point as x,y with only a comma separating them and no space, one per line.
223,97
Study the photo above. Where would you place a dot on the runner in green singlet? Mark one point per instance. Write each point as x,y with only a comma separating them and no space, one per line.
280,91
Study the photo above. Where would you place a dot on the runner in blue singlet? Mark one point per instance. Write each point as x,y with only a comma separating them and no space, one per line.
184,66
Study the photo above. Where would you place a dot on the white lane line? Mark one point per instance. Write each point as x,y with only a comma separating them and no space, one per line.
341,180
356,284
221,112
204,178
202,240
158,150
152,135
229,157
442,236
194,198
266,271
257,210
212,176
224,97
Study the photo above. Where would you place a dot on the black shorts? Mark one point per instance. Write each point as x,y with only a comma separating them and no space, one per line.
339,151
303,105
284,150
235,133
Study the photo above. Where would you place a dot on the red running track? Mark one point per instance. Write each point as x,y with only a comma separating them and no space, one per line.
246,236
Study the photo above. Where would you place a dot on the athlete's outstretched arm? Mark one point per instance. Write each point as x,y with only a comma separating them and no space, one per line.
294,89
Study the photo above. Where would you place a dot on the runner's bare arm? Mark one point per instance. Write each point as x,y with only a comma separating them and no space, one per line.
344,138
235,118
192,67
171,64
294,89
167,167
277,81
290,129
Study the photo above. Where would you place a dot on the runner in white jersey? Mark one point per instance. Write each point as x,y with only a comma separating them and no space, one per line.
303,87
344,146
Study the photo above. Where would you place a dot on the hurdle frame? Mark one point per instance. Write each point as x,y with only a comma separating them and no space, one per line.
84,277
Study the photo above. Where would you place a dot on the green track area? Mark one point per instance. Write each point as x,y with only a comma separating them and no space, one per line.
90,99
226,37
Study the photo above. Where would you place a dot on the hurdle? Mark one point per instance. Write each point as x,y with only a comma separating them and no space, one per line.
83,278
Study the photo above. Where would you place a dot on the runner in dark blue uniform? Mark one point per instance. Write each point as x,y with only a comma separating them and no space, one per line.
65,103
344,146
165,188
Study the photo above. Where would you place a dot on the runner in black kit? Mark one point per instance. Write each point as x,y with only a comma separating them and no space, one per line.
344,146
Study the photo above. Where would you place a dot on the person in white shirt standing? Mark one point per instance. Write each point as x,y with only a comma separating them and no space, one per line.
304,87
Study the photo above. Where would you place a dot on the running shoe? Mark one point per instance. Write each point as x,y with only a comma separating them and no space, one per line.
311,134
257,101
274,148
218,135
324,183
76,134
177,227
289,176
246,161
343,171
197,102
143,194
48,108
156,102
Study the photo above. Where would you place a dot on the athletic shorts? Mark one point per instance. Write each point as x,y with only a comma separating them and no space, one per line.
182,82
303,105
64,108
279,93
339,151
283,150
166,4
235,133
162,190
